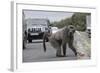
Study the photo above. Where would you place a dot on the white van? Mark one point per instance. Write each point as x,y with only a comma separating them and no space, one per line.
36,28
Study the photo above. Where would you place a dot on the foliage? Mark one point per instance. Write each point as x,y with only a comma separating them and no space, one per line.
77,19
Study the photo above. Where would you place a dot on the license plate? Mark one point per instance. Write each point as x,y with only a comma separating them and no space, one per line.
34,34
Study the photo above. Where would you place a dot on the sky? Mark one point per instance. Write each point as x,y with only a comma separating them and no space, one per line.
51,15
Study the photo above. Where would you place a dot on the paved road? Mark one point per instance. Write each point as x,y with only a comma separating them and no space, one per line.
34,52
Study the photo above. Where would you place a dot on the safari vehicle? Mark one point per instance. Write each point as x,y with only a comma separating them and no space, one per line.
36,28
54,29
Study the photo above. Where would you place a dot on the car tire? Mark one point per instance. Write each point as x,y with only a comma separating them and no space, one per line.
23,46
30,41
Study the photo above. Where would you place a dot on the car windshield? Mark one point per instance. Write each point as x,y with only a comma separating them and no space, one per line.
39,24
43,24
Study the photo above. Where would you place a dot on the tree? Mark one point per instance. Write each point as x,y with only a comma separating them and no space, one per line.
77,19
62,23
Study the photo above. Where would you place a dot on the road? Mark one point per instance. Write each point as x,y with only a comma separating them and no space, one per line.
35,53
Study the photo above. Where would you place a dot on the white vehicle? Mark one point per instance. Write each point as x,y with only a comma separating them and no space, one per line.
54,29
36,28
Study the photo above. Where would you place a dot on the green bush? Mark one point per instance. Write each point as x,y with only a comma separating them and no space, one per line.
77,19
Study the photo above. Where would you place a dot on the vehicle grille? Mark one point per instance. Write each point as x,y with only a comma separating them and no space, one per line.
36,30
